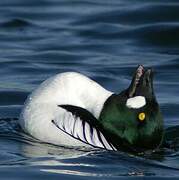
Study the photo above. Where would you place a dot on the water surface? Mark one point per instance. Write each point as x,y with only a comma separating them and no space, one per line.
104,40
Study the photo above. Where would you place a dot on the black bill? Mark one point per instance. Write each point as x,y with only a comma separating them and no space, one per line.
142,83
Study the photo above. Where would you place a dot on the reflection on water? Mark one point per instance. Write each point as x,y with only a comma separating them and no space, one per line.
19,149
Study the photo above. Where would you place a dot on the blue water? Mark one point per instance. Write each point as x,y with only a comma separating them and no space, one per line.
105,40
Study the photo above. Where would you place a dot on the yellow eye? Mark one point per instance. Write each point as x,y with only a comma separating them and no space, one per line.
141,116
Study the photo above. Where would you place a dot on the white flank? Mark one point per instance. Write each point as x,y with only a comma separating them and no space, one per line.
41,108
136,102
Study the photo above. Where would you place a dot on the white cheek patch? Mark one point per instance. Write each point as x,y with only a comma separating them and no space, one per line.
136,102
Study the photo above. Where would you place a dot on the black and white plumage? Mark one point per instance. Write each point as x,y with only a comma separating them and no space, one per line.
71,109
82,125
64,109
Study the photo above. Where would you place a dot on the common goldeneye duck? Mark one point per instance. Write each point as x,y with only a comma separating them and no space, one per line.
71,109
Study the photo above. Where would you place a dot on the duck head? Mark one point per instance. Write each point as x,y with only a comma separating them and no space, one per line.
132,120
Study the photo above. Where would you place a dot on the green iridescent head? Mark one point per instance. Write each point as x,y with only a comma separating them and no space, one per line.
132,120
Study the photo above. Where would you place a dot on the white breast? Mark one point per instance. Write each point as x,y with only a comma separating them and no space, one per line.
41,107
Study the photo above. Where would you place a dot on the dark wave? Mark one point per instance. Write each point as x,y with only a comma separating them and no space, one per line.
12,97
15,23
161,35
18,24
144,13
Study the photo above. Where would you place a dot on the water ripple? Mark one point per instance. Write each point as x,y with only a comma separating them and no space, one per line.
104,40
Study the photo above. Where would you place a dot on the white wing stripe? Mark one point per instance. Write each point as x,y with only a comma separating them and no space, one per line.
79,131
88,133
83,131
107,145
96,139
